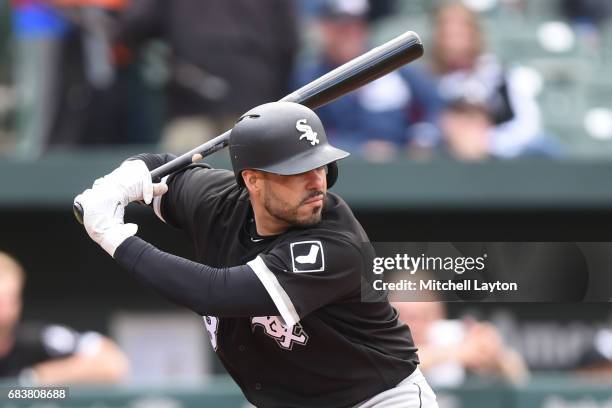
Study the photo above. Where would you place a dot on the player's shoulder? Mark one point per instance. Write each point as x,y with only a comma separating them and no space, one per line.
202,173
339,237
339,221
208,181
339,241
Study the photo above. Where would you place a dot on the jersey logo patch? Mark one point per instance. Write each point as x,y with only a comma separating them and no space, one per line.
307,256
285,338
307,132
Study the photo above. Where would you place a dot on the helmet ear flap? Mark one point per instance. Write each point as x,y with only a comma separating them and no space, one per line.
332,174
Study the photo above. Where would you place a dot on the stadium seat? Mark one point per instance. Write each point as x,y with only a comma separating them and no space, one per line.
393,26
414,7
541,10
606,43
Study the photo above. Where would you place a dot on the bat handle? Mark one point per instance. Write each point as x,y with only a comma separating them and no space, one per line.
77,209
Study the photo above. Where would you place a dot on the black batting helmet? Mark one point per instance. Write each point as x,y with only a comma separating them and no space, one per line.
283,138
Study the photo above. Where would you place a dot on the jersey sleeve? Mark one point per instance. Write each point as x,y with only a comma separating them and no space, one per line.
193,192
308,273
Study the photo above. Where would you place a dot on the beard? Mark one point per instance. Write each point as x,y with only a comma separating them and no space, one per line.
290,214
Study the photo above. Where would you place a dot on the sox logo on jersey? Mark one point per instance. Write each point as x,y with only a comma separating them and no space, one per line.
307,256
275,328
212,326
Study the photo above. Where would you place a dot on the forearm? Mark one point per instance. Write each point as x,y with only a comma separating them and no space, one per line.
198,287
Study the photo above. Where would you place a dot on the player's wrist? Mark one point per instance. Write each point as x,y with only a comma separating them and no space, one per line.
115,236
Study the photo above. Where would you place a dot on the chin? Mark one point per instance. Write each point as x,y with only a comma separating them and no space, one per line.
309,221
315,218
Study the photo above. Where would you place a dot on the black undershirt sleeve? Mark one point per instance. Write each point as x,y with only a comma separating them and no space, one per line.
228,292
153,160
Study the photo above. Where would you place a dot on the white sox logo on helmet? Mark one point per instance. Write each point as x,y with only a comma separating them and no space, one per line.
307,132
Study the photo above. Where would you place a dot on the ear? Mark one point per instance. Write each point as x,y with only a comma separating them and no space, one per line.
252,180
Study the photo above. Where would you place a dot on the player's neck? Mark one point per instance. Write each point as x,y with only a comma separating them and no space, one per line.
266,225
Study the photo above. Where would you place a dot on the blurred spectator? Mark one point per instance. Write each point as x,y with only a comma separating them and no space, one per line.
448,349
597,359
377,8
377,119
466,129
589,19
592,12
49,354
488,106
38,30
225,57
6,89
70,91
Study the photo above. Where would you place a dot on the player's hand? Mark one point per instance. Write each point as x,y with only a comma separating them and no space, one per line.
104,204
133,182
103,210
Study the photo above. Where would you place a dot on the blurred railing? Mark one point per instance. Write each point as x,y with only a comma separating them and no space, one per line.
55,179
542,391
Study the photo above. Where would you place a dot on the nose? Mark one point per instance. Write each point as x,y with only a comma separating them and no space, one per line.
316,179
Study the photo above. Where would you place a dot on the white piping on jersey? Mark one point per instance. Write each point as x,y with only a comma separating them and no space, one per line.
256,240
157,203
276,291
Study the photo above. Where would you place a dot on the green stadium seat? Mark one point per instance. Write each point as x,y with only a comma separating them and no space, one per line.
606,43
393,26
600,94
542,10
414,7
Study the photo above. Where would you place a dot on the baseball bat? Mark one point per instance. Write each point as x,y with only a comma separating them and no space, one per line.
354,74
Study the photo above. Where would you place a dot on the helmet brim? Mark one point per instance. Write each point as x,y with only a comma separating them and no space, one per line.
306,161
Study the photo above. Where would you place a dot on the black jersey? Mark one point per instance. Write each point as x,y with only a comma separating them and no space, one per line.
36,343
326,348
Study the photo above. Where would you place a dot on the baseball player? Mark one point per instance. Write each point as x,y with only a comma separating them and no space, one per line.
280,266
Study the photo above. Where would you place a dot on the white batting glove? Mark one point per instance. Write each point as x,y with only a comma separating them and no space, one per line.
104,204
132,180
103,210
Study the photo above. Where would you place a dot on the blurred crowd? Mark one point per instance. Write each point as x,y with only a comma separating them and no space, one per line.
91,73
